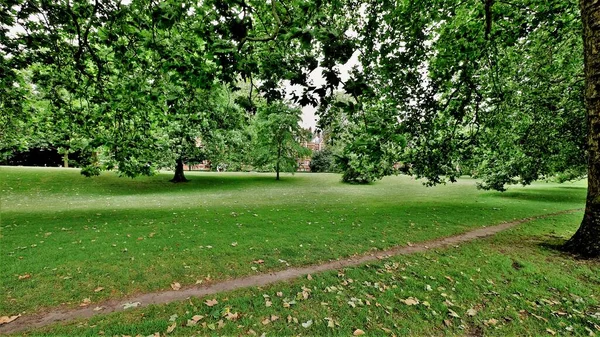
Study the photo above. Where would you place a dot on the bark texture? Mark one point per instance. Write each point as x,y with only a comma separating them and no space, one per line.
586,240
179,175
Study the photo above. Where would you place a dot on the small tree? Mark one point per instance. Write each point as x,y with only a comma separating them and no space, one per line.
277,137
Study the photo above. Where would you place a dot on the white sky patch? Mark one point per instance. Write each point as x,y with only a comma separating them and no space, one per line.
309,119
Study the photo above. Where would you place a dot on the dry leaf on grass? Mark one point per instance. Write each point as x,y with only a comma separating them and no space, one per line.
410,301
211,303
491,321
307,324
98,289
358,332
7,319
171,327
175,286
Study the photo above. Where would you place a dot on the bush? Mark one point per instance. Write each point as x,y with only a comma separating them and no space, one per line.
323,161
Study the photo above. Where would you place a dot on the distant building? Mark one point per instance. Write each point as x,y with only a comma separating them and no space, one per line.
316,144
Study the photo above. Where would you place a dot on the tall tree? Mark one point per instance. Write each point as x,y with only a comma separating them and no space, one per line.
489,88
586,240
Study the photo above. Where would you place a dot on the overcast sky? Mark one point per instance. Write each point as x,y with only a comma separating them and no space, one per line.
308,112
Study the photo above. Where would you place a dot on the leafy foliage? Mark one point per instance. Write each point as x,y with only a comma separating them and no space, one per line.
277,138
323,161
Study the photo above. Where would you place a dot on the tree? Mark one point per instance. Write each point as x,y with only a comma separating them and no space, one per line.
140,67
586,240
489,88
277,141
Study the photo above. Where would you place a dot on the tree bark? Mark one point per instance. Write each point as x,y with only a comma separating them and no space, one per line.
586,241
277,164
66,159
179,173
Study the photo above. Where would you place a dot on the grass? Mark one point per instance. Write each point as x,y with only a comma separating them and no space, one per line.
63,235
512,284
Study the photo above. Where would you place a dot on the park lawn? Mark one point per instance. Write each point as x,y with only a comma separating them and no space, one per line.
63,236
512,284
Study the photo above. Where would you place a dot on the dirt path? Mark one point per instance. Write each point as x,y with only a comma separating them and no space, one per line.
163,297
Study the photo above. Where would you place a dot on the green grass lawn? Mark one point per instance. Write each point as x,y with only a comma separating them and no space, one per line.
512,284
64,235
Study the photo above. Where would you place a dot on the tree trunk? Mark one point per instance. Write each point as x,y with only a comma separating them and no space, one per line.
277,164
586,240
66,159
179,176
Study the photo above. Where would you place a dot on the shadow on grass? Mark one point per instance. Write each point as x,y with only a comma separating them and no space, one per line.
555,244
571,194
109,183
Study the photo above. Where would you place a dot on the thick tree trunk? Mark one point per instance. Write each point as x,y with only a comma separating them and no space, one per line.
179,176
66,159
586,240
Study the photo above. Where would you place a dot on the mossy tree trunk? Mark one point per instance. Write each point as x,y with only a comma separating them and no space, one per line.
586,240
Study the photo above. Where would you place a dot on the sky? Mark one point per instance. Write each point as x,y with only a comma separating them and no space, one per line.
309,120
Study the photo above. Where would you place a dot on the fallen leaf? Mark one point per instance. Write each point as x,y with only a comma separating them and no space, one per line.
7,319
410,301
258,261
279,294
309,277
24,277
220,324
358,332
268,304
211,303
86,301
491,321
471,312
447,322
307,324
266,321
539,317
198,281
98,308
232,317
550,331
233,244
452,313
175,286
274,318
98,289
171,327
